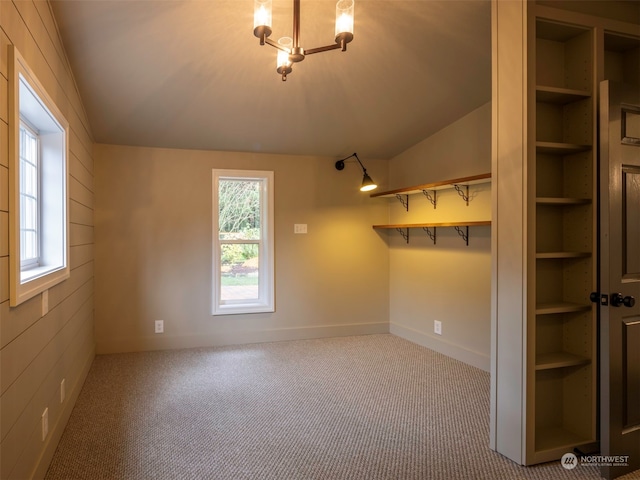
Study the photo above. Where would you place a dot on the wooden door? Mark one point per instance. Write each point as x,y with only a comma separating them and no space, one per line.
619,278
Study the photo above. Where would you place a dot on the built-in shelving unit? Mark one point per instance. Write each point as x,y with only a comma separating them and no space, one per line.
562,340
545,262
429,190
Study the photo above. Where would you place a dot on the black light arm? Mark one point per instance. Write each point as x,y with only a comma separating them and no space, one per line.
367,183
340,163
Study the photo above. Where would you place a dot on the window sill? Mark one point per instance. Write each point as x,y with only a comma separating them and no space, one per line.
37,272
243,308
37,280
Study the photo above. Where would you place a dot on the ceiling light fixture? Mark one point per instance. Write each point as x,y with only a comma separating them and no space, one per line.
367,183
291,50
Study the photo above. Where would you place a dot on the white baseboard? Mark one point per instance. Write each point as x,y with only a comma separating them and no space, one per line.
169,342
475,359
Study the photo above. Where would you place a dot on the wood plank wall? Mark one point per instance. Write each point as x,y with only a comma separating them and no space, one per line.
37,352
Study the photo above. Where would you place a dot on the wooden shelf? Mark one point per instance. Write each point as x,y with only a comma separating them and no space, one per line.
561,255
559,96
464,181
548,361
560,307
554,438
556,148
562,201
435,224
461,227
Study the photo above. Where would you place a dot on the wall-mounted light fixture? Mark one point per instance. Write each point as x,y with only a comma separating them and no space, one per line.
290,51
367,183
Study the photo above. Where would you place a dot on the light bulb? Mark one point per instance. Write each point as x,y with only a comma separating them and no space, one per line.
344,17
262,13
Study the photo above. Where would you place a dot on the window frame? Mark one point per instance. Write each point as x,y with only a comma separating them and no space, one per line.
29,103
265,302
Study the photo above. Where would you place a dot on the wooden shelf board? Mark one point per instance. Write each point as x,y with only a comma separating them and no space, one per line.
552,255
557,438
473,180
559,96
560,307
562,201
557,148
548,361
435,224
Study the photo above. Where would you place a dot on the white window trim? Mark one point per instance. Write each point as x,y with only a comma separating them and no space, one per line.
54,268
265,302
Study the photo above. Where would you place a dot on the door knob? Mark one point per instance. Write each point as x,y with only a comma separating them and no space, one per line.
617,300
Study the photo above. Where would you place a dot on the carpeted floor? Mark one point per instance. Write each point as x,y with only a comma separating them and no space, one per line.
366,407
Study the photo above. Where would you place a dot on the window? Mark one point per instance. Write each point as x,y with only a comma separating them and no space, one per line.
242,242
38,186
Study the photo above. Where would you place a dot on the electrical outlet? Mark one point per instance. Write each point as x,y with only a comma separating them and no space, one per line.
45,423
159,326
437,327
63,392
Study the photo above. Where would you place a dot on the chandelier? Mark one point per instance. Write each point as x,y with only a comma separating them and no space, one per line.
289,49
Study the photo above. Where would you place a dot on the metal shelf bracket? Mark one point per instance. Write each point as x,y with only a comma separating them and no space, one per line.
430,197
464,193
430,234
405,233
404,200
463,233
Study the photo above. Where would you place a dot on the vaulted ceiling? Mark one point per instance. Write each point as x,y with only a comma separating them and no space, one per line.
190,74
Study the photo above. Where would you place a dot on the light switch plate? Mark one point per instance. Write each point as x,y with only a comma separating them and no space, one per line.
300,228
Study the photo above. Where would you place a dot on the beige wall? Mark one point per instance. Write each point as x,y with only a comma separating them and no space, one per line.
37,352
153,250
447,281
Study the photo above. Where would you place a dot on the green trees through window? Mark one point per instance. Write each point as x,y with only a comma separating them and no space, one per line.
239,230
239,208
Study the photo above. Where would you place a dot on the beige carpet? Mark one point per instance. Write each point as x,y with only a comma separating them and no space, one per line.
367,407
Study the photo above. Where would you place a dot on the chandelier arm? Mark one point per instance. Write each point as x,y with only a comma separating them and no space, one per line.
296,23
335,46
268,41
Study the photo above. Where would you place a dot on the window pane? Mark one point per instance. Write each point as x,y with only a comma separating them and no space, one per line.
29,245
29,202
239,209
239,270
28,213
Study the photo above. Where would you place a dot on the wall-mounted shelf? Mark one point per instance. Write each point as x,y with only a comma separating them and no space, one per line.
461,185
461,227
